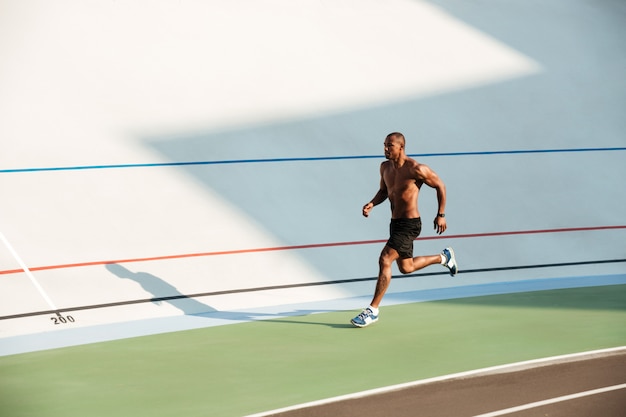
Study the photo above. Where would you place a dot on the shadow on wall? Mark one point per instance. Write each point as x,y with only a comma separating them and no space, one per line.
162,291
573,103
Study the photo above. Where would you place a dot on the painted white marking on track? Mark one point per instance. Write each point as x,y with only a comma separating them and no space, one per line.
27,271
466,374
552,401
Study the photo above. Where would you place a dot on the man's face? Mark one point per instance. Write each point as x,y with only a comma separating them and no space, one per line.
393,148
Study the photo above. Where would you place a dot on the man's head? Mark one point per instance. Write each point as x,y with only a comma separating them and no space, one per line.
394,145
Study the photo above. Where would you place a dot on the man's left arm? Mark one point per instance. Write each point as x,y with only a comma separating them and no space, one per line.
430,178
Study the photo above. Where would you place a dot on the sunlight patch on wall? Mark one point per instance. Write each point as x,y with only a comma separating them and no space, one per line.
109,71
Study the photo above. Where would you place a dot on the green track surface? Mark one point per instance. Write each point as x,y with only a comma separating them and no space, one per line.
246,368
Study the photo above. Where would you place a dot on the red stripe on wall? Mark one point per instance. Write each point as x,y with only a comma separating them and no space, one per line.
309,246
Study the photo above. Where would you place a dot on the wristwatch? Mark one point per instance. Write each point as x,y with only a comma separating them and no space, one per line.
441,214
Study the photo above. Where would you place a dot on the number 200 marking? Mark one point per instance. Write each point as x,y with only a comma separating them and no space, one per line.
62,320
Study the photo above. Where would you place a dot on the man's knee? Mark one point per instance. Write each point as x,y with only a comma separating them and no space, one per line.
385,261
386,258
406,265
403,269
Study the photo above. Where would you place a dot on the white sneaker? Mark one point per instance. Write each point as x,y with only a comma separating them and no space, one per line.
365,318
450,261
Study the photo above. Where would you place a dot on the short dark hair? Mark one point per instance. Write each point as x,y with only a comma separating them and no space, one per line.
397,135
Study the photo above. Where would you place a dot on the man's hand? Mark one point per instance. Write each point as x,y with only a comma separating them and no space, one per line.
440,224
367,208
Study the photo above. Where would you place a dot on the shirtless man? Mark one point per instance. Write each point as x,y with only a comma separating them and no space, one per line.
400,181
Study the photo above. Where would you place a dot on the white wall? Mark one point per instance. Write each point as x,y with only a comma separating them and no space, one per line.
102,83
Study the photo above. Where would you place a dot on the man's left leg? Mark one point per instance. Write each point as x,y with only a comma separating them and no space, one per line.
408,265
445,258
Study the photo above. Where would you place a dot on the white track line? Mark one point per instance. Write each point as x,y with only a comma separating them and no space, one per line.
552,401
27,272
441,378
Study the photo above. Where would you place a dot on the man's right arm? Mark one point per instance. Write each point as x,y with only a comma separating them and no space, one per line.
380,196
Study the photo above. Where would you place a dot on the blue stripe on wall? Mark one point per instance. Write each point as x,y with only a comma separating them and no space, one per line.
302,159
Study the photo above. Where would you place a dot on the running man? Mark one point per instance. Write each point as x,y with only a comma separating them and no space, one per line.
401,178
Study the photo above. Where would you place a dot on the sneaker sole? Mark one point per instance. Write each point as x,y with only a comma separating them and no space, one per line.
360,326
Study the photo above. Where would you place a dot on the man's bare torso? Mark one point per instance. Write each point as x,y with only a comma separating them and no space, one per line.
403,185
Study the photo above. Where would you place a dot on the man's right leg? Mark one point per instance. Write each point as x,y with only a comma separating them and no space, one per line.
387,257
370,314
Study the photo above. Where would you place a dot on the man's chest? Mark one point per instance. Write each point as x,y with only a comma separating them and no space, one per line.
396,181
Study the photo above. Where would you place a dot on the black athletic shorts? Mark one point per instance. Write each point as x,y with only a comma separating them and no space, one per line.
402,233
